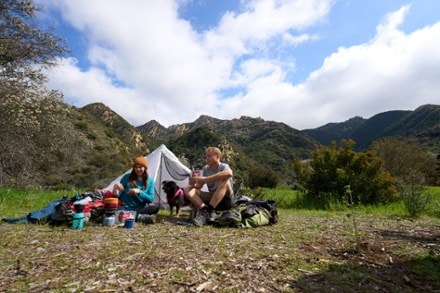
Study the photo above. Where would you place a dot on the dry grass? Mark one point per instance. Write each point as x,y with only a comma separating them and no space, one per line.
303,252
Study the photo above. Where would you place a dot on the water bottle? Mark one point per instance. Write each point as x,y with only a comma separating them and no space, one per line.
78,221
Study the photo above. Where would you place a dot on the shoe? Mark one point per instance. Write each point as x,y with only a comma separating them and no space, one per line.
212,217
152,219
146,219
201,218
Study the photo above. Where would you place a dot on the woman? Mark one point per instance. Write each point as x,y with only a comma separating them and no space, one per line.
136,192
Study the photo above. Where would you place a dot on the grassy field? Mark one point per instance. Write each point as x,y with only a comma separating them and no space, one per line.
308,250
18,202
288,199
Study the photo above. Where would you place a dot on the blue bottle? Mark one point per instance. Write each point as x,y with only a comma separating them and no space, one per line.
78,221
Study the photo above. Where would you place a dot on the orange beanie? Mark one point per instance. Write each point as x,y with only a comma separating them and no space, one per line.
141,161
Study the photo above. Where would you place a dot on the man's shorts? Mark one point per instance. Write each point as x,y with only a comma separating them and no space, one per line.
224,205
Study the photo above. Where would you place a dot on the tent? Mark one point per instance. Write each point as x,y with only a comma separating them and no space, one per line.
162,165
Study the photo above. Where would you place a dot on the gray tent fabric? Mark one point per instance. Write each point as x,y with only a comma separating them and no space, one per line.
163,165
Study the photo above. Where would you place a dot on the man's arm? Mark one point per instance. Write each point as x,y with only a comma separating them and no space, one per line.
222,175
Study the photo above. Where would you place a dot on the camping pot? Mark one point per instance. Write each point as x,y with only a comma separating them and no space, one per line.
111,202
109,221
78,221
124,215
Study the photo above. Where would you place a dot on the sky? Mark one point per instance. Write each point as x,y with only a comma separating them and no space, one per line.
304,63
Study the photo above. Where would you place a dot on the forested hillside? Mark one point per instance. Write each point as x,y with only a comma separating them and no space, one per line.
421,125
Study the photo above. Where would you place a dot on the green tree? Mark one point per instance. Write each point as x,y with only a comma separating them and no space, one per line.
262,177
302,173
31,116
25,50
335,167
403,159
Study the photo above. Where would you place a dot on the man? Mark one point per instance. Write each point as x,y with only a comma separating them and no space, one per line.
218,178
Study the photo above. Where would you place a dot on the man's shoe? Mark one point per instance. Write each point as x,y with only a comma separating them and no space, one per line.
212,217
201,218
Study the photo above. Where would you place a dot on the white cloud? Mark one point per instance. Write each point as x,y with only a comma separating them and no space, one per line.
391,72
295,41
241,33
147,63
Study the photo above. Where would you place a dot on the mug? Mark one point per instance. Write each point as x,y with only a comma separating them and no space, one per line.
129,223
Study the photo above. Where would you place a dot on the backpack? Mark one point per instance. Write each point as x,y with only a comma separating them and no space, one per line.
268,205
229,218
64,210
250,213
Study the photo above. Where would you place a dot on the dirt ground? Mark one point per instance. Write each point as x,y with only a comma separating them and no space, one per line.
303,252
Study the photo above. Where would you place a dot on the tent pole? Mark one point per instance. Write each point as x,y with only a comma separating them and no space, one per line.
160,180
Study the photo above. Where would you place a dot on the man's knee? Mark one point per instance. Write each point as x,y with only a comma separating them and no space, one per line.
189,190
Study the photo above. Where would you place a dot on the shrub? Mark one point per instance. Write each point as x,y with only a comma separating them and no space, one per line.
416,197
262,177
82,125
333,168
401,157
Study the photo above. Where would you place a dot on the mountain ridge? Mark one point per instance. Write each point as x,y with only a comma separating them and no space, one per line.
250,143
421,125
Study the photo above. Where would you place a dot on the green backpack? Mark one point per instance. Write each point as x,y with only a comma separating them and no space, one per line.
253,216
252,213
229,218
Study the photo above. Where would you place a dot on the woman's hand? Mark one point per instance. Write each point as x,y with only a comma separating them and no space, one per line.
134,191
118,188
